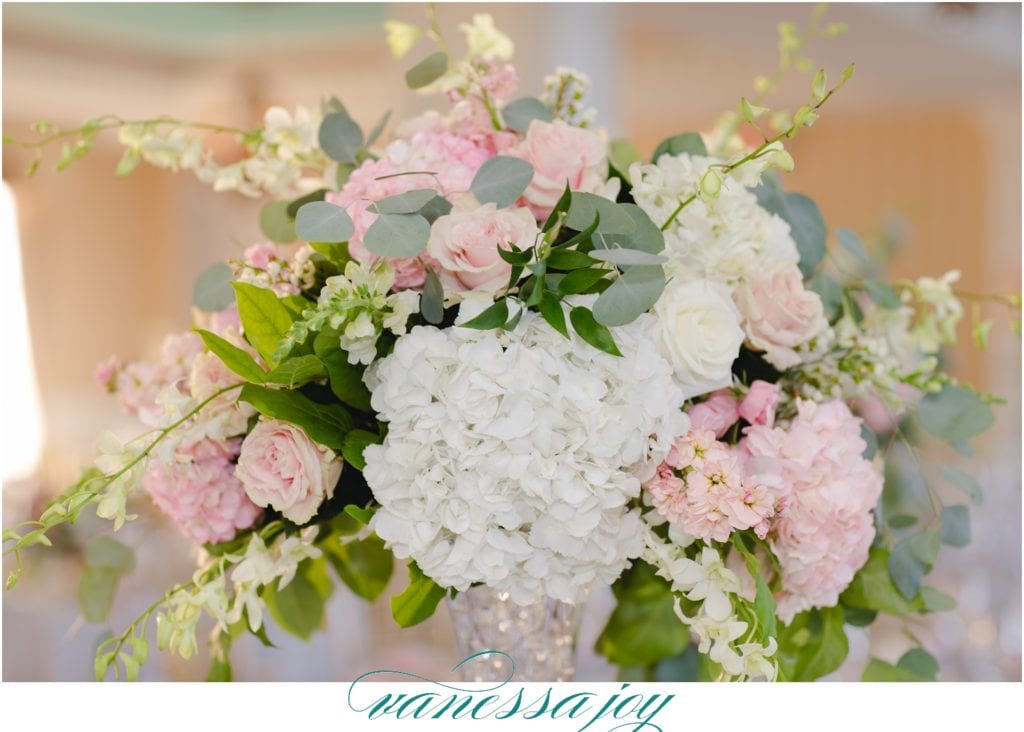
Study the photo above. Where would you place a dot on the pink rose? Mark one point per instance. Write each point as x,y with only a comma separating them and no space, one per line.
465,243
780,314
282,468
758,406
717,414
560,154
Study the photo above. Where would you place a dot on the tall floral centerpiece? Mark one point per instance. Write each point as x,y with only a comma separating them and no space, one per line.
528,363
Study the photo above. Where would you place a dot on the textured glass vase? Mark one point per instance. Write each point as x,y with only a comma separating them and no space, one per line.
539,639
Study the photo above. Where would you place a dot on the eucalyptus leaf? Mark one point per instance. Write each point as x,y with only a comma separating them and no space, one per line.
690,143
920,662
296,203
963,481
906,570
275,223
340,138
323,222
627,257
397,235
404,203
956,526
378,128
432,298
585,207
830,292
427,71
501,180
883,294
519,113
212,291
849,241
645,236
631,295
954,414
873,588
804,219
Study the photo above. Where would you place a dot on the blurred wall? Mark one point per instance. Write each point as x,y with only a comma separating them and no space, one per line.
929,127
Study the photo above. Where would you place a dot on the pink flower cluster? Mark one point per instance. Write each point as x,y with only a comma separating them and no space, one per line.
200,492
722,410
710,489
822,536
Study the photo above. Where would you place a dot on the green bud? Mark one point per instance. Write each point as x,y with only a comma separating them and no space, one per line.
750,111
164,630
711,184
782,160
818,85
763,85
805,117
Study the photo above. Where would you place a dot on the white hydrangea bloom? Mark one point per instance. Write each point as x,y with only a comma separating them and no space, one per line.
724,238
510,457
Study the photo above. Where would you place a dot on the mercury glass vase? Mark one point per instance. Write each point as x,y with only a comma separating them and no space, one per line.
539,639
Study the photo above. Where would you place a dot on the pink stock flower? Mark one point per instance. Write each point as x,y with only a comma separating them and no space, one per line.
200,493
260,255
758,406
105,374
282,468
139,383
717,413
561,154
825,527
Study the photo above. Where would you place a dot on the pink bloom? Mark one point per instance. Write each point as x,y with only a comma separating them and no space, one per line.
780,314
758,406
200,492
453,160
140,382
561,154
825,526
717,413
691,449
260,255
465,244
282,468
106,373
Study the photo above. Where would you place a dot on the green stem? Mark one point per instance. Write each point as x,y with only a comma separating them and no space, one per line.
111,121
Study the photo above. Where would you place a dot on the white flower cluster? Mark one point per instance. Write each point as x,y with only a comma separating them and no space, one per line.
285,162
722,635
510,457
723,238
564,92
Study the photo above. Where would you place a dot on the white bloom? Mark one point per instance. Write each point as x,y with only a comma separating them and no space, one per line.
510,457
726,238
757,661
485,40
700,334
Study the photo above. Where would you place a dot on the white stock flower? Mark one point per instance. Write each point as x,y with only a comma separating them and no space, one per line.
485,40
510,457
726,238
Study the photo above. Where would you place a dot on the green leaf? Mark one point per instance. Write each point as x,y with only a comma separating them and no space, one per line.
551,310
297,371
804,219
813,645
220,671
643,628
622,154
936,601
580,280
885,672
326,424
378,128
212,291
520,113
296,203
501,180
954,414
275,223
568,259
964,482
397,235
872,588
870,441
96,588
882,294
365,565
849,241
104,552
432,298
340,138
592,332
264,317
355,442
906,570
585,207
901,521
324,222
129,161
233,357
298,608
418,601
956,526
859,618
830,292
925,548
561,207
435,208
645,236
627,257
404,203
493,317
631,295
919,662
362,515
427,71
688,142
346,379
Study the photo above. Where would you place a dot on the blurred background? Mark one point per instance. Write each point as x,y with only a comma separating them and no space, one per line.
922,148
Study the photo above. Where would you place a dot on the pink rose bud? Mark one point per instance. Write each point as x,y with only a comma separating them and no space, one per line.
717,414
758,406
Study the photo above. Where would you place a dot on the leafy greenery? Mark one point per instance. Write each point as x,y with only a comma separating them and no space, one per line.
298,608
340,137
234,357
326,424
106,562
276,224
265,318
397,235
804,219
427,71
501,180
690,143
519,113
365,566
954,414
212,291
323,221
812,645
418,601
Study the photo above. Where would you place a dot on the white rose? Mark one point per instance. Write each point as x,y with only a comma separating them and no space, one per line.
700,334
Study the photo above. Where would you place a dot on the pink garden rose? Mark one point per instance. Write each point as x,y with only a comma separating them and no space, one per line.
282,468
465,244
560,154
758,406
718,413
780,314
198,490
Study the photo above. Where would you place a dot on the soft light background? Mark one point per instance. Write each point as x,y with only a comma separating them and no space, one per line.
930,128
